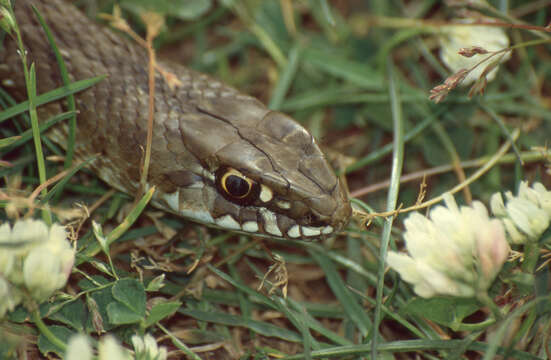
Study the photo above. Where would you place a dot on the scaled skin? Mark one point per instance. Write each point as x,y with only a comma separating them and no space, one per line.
199,127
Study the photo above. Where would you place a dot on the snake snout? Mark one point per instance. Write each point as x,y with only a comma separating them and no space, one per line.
330,210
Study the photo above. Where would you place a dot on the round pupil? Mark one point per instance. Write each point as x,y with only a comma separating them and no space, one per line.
237,186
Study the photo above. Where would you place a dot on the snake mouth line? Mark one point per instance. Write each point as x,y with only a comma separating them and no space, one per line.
272,229
266,224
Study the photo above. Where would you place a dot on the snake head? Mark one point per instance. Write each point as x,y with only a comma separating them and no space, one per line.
262,173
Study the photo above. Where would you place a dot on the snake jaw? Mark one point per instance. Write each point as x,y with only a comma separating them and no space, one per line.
260,219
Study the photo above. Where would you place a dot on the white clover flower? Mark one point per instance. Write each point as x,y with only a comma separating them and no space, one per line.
453,38
78,348
24,235
36,257
146,348
48,265
513,235
109,349
29,232
7,256
458,251
537,194
525,216
10,297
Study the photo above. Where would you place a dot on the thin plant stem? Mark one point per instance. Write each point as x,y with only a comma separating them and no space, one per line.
30,82
392,198
44,330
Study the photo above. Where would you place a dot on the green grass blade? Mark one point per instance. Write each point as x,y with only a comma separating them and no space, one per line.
95,247
43,126
259,327
9,141
50,96
285,79
392,198
66,81
59,186
347,299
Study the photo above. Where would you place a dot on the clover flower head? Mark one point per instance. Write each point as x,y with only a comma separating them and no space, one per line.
525,216
455,251
6,255
79,348
110,349
146,348
10,295
455,38
35,257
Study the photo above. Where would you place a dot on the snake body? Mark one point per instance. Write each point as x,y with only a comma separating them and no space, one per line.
219,157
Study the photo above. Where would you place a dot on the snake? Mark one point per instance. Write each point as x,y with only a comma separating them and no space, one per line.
218,157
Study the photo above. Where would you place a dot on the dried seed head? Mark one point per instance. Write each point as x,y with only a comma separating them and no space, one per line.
471,51
439,92
459,44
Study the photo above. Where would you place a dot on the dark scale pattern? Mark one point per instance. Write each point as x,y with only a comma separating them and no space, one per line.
199,126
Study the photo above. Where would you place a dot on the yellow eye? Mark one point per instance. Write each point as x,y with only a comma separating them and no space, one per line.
235,184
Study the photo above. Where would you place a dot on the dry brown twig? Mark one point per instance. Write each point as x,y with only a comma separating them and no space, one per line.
368,218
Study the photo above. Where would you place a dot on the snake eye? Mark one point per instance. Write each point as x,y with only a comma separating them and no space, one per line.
235,186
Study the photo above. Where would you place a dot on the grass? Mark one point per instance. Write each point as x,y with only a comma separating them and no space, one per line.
358,75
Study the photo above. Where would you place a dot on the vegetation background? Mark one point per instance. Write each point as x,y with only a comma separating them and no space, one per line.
358,75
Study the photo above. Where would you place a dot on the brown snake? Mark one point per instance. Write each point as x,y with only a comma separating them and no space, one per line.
219,157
